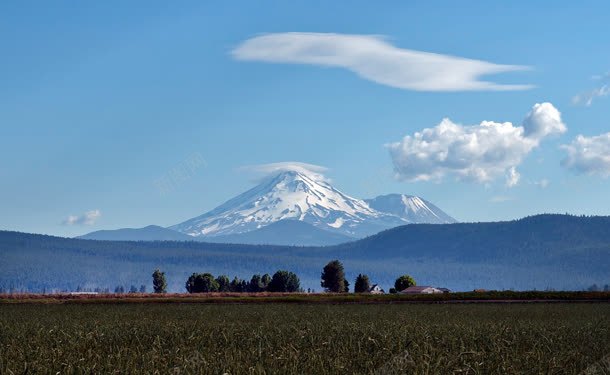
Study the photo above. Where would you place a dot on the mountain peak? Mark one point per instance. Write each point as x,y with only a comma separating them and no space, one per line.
411,208
307,196
296,195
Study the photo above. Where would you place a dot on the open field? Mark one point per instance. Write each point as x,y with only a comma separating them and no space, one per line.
304,338
348,298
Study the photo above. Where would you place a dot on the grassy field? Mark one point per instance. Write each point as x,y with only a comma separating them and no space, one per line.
323,298
305,338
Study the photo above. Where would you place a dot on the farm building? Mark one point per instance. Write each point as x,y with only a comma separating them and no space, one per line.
421,290
376,289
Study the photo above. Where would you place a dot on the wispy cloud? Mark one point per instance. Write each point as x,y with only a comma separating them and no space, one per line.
587,98
478,153
373,58
588,155
264,170
512,177
543,184
87,218
501,199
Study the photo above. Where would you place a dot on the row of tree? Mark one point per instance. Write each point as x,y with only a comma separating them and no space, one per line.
281,281
332,280
121,289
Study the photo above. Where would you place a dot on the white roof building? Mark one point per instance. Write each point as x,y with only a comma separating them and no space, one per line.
376,289
421,290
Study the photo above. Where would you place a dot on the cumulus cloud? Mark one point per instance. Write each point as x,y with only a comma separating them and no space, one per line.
264,170
88,218
373,58
587,98
588,155
478,153
543,120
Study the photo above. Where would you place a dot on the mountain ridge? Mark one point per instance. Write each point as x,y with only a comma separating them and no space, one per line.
147,233
328,215
538,252
310,198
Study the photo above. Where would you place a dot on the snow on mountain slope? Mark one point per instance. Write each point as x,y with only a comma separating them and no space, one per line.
411,208
295,195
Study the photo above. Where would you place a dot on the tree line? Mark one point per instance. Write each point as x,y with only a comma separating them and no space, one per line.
333,280
281,281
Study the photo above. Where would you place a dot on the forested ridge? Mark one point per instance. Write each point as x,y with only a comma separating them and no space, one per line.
543,251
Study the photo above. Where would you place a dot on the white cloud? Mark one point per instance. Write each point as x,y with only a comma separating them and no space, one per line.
512,177
373,58
88,218
501,199
587,98
604,76
479,153
588,155
264,170
543,120
543,184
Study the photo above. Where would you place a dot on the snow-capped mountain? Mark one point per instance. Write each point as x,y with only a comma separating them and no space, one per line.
308,197
291,195
411,208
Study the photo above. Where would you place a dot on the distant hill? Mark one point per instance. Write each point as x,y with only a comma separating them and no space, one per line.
539,252
149,233
541,238
284,232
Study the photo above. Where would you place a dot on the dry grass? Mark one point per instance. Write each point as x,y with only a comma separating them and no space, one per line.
224,298
313,339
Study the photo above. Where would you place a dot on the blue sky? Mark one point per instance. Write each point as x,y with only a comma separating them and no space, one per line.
99,103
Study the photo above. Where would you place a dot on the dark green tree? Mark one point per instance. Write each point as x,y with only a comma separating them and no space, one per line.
333,277
237,285
362,284
224,284
159,282
142,288
403,282
256,284
201,283
265,281
284,281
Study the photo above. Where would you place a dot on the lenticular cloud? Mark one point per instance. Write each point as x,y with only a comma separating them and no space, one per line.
373,58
